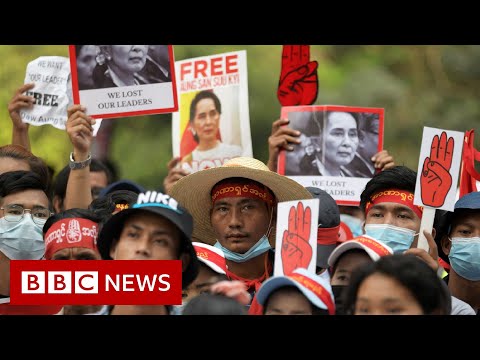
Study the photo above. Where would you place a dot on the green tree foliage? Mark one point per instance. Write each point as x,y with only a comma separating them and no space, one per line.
418,86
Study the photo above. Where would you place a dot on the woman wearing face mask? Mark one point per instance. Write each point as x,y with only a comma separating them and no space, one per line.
346,258
462,245
397,285
24,209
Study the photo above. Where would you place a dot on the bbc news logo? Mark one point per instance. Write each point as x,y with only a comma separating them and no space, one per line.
96,282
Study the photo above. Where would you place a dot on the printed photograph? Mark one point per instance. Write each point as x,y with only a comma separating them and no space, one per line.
123,80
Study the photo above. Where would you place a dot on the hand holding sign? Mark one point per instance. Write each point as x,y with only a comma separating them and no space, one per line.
20,101
298,79
436,180
80,130
296,250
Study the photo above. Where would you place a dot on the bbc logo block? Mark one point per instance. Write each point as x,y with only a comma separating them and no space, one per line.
59,282
96,282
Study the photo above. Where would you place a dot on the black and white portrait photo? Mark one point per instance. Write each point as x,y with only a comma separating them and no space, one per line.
143,72
336,147
333,143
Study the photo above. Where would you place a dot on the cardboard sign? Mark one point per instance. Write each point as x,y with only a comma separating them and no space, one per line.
114,81
213,121
296,237
337,143
51,75
438,168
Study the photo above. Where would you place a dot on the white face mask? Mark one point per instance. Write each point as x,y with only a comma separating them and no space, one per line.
399,239
22,240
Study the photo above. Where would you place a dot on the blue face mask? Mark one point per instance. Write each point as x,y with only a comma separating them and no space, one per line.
399,239
355,224
177,309
262,246
465,257
21,240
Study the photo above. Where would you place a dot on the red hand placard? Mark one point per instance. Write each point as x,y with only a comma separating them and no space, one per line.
296,250
298,79
436,180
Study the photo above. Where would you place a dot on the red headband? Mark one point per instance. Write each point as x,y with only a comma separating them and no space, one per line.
70,233
328,236
317,289
236,189
402,197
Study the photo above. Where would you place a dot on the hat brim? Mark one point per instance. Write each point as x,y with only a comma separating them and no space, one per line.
349,245
194,193
274,283
211,265
112,229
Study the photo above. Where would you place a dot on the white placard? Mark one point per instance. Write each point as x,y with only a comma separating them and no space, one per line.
296,237
438,168
220,127
51,75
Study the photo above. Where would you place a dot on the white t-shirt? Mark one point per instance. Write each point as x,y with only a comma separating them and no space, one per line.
460,307
222,152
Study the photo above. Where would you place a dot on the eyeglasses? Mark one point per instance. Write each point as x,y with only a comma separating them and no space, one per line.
14,213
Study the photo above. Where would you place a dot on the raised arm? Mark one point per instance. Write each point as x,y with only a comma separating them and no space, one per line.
18,102
80,132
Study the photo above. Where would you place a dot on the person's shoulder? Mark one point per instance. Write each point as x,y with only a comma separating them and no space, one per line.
460,307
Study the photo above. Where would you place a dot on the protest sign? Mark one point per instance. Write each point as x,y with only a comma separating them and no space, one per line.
437,175
213,123
125,80
337,144
51,75
296,237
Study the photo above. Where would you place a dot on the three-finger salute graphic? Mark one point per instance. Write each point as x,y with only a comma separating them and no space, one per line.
298,83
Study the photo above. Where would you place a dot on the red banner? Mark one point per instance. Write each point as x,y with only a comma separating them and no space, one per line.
96,282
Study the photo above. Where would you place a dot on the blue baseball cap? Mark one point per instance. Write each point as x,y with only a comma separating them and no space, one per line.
468,201
314,287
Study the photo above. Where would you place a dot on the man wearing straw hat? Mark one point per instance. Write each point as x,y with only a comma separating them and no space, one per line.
234,208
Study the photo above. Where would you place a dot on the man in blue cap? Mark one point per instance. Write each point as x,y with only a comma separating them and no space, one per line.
462,245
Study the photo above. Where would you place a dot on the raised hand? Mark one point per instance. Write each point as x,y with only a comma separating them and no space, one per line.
175,173
18,102
296,251
430,257
383,160
80,131
436,180
298,83
281,138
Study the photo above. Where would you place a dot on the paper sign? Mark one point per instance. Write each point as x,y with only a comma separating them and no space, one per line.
296,237
96,127
123,80
337,143
50,74
438,168
213,121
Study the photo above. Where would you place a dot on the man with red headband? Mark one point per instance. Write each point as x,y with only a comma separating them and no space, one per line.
392,218
234,208
72,235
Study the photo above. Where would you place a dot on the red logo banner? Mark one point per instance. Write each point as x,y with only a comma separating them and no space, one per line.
96,282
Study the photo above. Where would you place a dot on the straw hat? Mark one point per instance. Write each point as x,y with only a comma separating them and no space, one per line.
193,191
